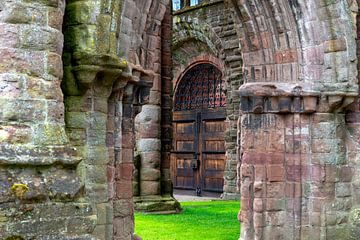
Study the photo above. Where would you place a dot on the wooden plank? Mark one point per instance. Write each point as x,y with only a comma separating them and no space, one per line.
213,154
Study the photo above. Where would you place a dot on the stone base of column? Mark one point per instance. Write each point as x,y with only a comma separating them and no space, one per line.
157,204
230,196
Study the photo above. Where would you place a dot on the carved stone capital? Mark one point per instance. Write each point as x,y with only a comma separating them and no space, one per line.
264,97
107,69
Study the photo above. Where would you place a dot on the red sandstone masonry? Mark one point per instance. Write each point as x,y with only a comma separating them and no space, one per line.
297,178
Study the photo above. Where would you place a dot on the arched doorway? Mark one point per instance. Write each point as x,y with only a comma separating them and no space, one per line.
198,158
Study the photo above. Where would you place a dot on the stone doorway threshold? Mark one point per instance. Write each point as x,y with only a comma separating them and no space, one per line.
190,196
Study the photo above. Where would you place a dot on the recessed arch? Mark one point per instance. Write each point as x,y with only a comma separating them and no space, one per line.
198,38
199,121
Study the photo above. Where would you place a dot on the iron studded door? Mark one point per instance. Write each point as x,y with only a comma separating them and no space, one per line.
199,144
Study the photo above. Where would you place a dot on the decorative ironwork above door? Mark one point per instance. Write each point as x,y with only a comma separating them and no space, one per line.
201,87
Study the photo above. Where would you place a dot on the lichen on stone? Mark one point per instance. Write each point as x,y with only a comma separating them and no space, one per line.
355,216
14,238
19,190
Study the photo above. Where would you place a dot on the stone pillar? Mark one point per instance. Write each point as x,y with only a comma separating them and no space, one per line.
31,70
166,102
124,143
154,185
149,146
352,119
295,168
40,187
99,120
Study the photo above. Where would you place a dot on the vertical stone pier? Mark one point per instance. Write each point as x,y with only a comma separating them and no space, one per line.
153,189
295,169
40,188
298,169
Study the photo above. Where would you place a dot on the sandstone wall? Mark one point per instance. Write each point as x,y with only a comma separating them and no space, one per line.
40,188
66,169
66,162
297,169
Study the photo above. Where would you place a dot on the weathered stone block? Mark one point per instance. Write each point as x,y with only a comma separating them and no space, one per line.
123,208
343,189
9,34
150,187
54,65
98,193
20,13
41,38
81,13
103,232
81,225
124,189
149,174
104,213
76,119
149,145
124,171
96,173
50,134
55,18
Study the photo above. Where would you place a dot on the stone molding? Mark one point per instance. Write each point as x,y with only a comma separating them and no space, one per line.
263,97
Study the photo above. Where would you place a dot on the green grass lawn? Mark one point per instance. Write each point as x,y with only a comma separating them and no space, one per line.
216,220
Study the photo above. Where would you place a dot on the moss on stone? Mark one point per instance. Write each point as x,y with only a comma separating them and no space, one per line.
103,35
14,238
354,226
19,190
355,216
50,134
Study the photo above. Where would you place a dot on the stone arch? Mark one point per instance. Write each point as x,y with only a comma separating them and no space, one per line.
268,37
199,37
185,30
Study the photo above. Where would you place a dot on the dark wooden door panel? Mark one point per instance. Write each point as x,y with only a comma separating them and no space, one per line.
199,149
214,162
185,137
213,184
213,146
184,175
213,154
185,146
184,128
213,171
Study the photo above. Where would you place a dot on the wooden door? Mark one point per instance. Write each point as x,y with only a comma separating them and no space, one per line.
186,130
199,144
198,157
212,150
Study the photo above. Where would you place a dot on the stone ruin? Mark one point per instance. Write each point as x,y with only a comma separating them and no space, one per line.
86,90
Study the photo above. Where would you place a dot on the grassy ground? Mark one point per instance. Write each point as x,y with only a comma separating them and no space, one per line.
216,220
